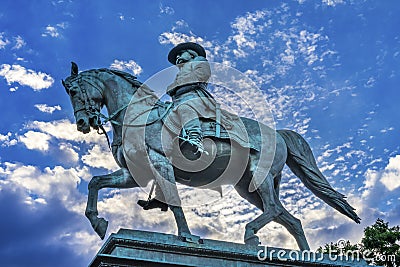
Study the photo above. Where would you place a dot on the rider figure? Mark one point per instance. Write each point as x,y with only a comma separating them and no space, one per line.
189,94
188,91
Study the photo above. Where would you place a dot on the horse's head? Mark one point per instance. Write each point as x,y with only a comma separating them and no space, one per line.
86,98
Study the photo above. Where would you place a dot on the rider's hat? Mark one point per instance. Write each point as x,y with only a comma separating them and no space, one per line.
185,46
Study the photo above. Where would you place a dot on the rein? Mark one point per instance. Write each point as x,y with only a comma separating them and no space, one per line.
154,120
102,119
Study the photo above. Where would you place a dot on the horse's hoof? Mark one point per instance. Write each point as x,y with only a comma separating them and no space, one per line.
252,240
101,227
190,238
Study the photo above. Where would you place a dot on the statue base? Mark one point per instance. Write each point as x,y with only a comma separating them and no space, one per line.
141,248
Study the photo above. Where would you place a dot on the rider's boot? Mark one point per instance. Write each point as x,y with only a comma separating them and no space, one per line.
154,203
194,136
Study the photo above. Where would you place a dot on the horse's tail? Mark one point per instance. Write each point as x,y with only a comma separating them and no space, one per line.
302,163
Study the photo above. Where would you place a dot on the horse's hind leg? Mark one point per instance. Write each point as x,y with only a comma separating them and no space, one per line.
271,209
292,224
119,179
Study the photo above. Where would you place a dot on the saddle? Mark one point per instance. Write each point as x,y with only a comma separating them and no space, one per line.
228,126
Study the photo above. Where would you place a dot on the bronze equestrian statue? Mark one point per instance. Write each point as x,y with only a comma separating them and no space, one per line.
144,154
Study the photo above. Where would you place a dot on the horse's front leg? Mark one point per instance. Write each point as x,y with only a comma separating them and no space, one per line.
118,179
164,174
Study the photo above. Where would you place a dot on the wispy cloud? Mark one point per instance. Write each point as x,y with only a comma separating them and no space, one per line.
6,140
326,2
246,27
54,30
47,109
51,31
19,42
3,40
26,77
177,38
333,2
166,9
129,65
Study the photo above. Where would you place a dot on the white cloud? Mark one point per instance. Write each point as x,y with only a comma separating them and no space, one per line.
35,140
378,184
180,24
391,174
65,130
333,2
127,65
177,38
99,157
19,42
3,41
26,77
69,153
40,133
245,28
326,2
51,31
166,10
6,140
82,242
54,31
57,182
47,109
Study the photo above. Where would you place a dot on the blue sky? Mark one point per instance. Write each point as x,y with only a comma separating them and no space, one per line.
330,70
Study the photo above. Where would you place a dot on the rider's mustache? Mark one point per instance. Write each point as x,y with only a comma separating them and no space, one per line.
181,60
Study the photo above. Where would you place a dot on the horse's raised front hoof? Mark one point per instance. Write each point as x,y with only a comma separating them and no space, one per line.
252,240
190,238
101,227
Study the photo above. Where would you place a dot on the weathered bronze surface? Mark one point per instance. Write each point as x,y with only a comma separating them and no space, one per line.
143,154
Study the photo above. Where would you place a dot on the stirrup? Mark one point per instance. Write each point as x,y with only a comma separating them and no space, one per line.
196,142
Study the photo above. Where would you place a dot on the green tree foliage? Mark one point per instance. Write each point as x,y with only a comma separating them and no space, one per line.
379,246
383,243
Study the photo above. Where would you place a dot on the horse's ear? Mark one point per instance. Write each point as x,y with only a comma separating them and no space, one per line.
74,69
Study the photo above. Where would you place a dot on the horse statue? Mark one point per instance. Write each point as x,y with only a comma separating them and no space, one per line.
150,158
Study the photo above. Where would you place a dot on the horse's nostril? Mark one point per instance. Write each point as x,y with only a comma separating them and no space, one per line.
80,122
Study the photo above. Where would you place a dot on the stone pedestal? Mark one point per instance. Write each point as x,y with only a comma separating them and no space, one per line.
141,248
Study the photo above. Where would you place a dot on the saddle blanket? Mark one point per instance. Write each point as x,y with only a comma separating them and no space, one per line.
244,131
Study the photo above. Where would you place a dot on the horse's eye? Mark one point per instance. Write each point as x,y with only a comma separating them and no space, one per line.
72,93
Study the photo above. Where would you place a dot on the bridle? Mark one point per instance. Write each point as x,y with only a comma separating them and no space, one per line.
89,106
100,119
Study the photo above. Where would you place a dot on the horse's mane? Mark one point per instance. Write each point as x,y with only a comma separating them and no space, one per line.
132,80
124,75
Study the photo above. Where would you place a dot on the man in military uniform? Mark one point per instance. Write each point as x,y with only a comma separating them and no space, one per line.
188,91
191,99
